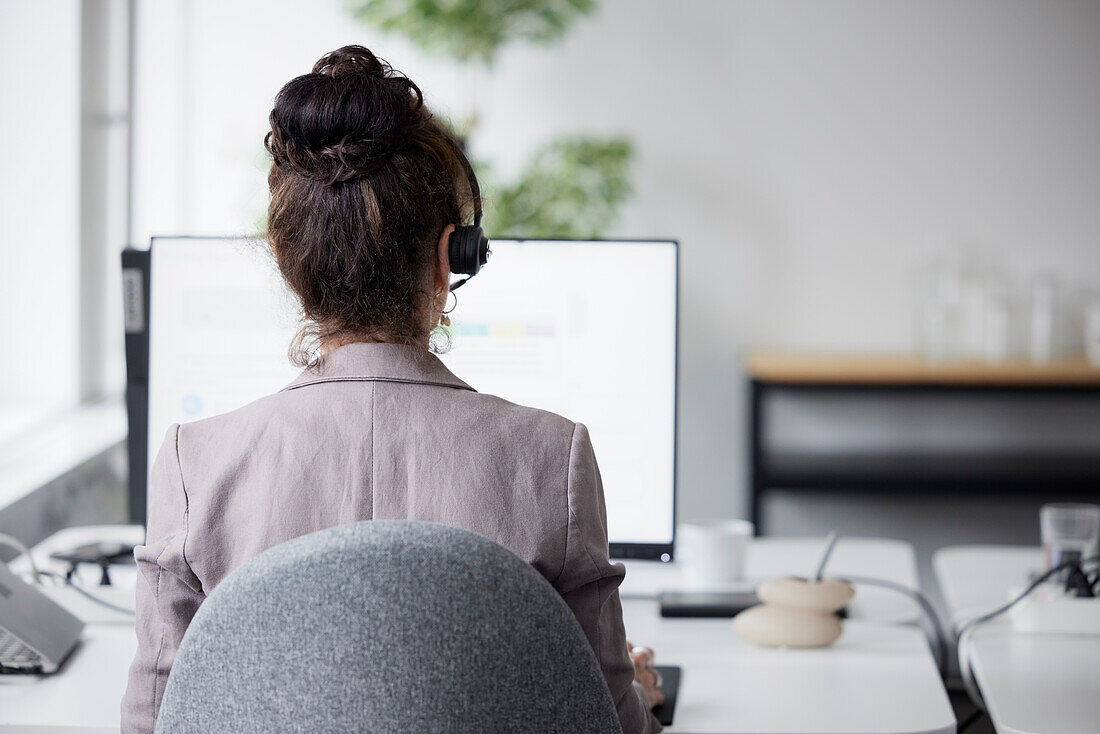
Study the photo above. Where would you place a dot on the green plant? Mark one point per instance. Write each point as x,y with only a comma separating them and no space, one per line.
573,187
471,29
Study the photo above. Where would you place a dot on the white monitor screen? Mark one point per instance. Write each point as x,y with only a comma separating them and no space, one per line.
584,329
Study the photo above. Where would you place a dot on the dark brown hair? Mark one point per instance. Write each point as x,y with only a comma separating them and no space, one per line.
364,181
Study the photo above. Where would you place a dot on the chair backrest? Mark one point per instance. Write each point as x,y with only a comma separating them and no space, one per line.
386,626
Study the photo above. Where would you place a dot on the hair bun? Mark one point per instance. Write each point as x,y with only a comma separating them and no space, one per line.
356,60
346,119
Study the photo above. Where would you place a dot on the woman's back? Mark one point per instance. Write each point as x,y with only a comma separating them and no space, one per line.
374,431
377,431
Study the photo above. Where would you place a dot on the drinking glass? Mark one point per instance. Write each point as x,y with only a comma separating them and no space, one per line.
1070,532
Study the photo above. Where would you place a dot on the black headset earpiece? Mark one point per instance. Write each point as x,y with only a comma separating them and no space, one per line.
468,247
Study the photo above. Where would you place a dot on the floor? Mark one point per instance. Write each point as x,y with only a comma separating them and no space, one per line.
965,711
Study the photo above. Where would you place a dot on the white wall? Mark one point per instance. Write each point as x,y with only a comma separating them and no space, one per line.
811,157
39,206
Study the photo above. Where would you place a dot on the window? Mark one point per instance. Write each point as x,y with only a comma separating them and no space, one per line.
64,216
63,204
39,210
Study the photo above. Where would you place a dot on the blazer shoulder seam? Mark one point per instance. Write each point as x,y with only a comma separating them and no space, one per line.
186,511
568,505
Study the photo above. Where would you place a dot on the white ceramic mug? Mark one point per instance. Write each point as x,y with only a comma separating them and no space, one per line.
713,552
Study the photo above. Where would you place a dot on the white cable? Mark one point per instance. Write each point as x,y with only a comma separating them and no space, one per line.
23,550
87,594
37,575
962,649
940,650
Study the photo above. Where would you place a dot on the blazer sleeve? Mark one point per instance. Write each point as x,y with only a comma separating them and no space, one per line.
589,583
168,592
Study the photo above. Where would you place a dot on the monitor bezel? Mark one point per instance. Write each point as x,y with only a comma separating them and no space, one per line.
664,552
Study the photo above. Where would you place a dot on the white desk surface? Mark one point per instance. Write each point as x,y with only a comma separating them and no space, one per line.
876,678
891,560
83,697
1031,683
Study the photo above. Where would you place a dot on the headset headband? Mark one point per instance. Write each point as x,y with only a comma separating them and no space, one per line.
468,247
475,189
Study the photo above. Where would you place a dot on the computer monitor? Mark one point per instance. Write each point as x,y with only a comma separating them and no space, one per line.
587,329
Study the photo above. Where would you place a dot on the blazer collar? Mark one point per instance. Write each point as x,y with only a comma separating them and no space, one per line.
367,361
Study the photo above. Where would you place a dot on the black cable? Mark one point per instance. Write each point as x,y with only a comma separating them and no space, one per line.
964,658
1095,578
1034,585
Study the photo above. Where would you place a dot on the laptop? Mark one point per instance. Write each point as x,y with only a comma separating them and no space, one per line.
36,633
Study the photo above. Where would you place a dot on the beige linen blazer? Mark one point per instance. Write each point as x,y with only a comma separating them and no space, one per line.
374,431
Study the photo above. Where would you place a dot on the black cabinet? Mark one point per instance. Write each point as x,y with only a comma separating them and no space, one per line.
903,426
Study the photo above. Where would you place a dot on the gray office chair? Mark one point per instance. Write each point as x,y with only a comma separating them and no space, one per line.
386,626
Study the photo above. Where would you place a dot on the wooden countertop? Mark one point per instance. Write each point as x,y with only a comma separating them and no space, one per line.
886,370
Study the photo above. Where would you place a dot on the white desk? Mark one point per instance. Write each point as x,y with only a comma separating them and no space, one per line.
83,698
891,560
1031,683
877,678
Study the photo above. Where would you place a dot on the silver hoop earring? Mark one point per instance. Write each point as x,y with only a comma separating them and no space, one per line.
452,308
444,319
